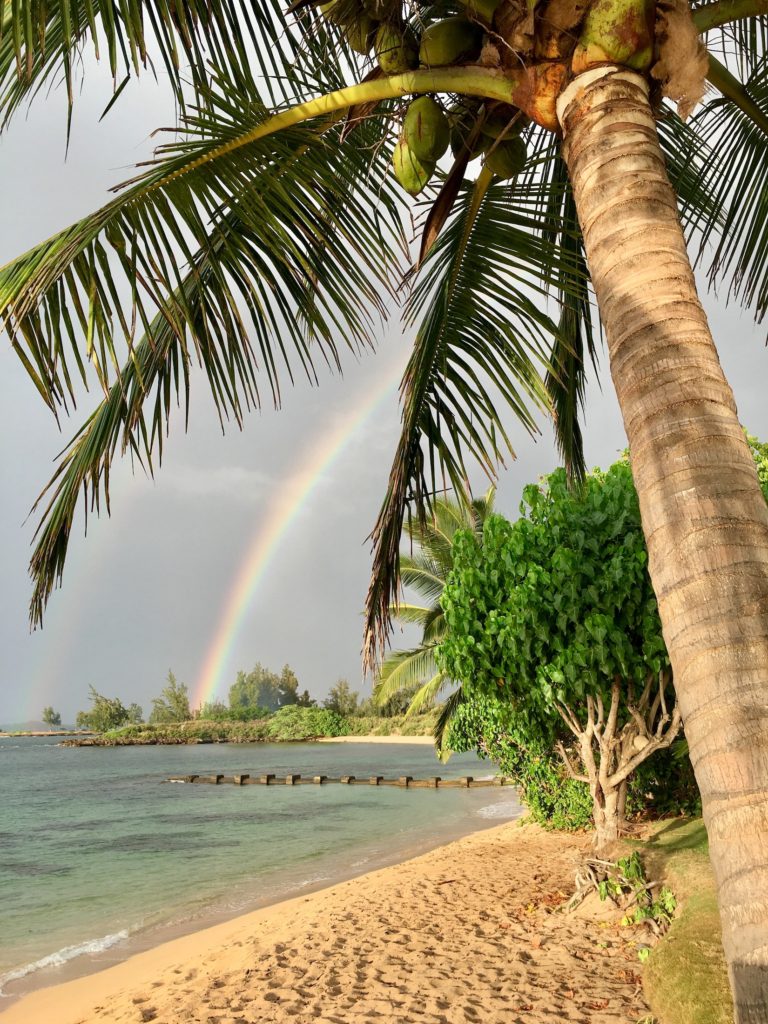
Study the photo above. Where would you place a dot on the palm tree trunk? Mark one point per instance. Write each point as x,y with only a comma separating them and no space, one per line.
704,517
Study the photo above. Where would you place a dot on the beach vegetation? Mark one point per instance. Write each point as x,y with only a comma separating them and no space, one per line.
297,724
51,718
292,724
263,688
106,713
135,713
555,616
174,733
269,232
422,724
218,711
685,978
172,705
342,699
411,679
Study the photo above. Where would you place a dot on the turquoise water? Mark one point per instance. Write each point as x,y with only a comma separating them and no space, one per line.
97,853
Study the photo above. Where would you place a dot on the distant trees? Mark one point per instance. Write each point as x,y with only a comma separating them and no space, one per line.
52,718
342,699
261,688
135,714
172,705
106,713
218,711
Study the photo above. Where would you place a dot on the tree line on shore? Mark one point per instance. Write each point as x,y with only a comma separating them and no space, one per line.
254,696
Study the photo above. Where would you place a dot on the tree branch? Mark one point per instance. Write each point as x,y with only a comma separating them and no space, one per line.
570,719
569,766
659,742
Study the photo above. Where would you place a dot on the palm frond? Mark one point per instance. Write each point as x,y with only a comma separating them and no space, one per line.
426,695
434,626
423,575
403,671
742,41
483,341
575,342
264,262
42,43
442,724
733,161
411,614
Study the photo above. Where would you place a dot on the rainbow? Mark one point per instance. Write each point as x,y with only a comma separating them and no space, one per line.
279,518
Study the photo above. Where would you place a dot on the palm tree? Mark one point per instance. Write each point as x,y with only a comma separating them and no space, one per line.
269,232
414,672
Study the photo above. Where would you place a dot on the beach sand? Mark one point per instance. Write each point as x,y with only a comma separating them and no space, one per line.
465,933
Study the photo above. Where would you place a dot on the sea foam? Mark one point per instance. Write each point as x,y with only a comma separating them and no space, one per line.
63,956
505,809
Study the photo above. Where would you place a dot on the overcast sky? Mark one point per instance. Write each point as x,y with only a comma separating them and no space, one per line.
145,591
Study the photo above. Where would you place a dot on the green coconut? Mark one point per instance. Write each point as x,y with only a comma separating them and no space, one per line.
508,158
396,49
499,122
412,173
449,41
361,33
426,129
462,118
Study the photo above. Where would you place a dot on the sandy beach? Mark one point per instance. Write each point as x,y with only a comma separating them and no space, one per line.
465,933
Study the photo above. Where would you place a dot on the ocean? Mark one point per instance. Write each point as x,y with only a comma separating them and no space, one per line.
100,858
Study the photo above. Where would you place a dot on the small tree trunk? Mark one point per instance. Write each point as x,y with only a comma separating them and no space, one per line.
704,516
608,820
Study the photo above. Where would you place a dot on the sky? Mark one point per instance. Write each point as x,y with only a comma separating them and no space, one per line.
151,588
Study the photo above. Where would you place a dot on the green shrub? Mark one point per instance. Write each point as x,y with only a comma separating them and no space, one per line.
295,723
396,725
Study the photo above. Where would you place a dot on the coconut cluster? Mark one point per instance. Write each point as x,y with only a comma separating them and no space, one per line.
428,130
468,127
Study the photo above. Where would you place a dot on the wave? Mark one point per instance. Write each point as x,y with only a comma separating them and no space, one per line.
63,956
505,809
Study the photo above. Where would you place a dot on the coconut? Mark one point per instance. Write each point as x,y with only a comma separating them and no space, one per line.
396,49
462,118
361,33
412,173
448,41
502,122
507,158
426,129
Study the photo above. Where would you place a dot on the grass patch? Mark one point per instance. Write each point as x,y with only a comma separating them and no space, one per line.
685,979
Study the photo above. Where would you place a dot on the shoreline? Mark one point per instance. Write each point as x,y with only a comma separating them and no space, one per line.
92,955
463,932
420,740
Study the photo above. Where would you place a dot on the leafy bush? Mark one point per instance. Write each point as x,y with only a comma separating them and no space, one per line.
197,731
295,723
216,711
395,725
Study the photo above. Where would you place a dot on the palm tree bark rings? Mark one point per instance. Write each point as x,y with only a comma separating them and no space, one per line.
703,514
